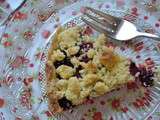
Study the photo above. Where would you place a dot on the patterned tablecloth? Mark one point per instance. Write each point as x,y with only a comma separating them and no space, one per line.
28,23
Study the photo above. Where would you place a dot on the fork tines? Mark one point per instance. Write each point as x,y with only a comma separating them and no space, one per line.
100,21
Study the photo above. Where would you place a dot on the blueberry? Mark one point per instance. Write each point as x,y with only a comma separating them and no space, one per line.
58,76
77,74
85,59
57,63
64,52
78,53
85,46
133,69
80,34
146,77
65,104
65,61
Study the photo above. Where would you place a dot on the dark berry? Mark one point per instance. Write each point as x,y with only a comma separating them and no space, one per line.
58,76
64,52
85,46
65,61
133,69
87,31
77,74
57,63
68,62
64,103
80,34
78,53
146,77
79,68
84,59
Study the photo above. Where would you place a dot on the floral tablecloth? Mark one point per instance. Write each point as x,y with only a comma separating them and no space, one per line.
30,23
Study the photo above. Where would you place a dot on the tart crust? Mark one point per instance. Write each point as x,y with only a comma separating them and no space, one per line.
92,81
51,77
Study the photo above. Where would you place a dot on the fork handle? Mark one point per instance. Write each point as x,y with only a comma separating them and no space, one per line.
149,35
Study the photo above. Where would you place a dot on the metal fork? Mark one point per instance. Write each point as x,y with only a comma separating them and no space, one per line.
114,27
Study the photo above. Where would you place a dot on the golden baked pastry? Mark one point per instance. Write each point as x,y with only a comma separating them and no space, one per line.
79,67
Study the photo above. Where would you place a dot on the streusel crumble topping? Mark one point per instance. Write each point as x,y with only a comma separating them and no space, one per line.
81,66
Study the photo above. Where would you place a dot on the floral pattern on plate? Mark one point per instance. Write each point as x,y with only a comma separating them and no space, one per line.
137,103
17,56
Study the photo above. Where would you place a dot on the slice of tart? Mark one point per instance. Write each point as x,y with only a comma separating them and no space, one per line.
80,66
